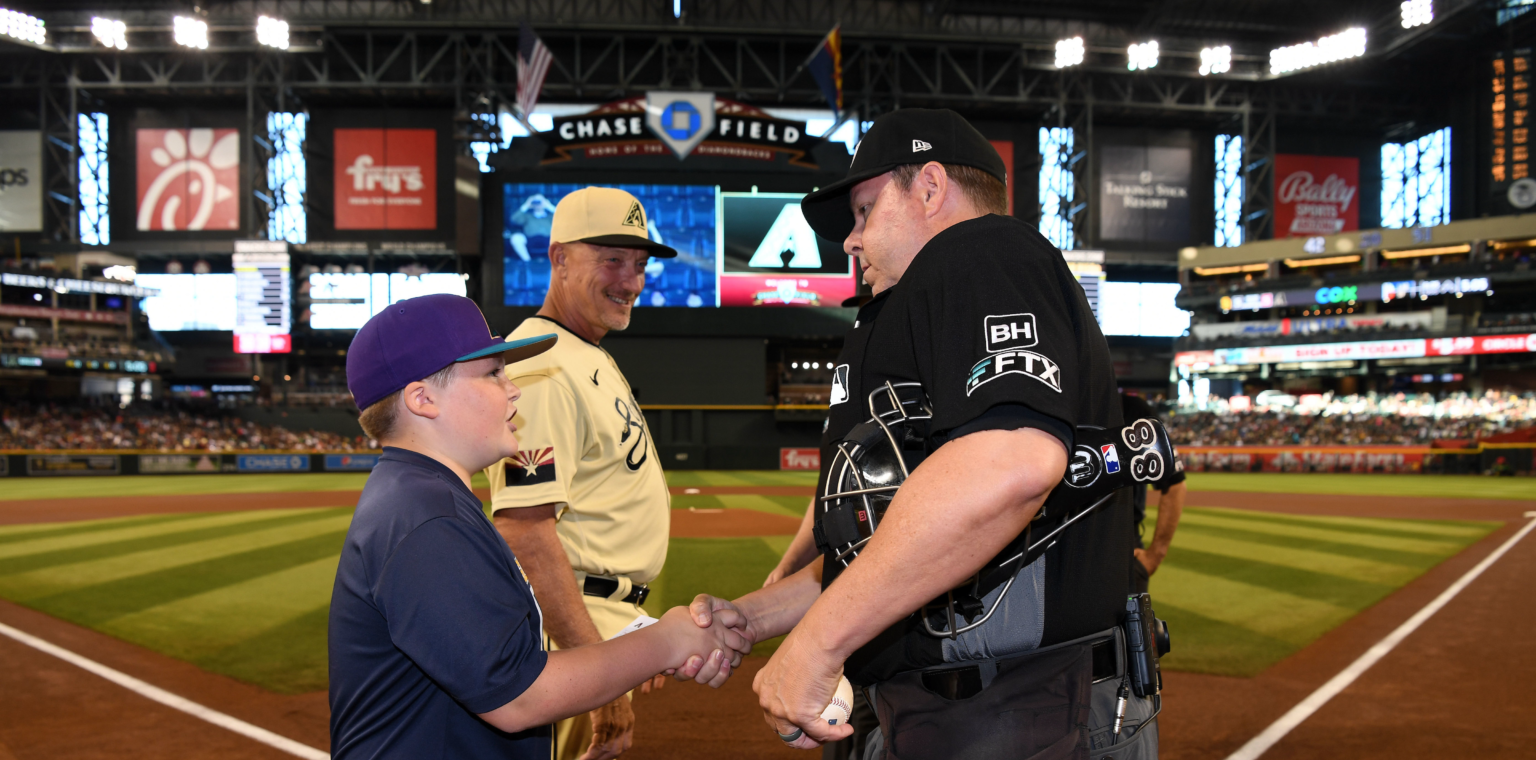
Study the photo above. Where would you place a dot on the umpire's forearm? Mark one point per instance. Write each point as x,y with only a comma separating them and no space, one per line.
774,610
1170,507
530,533
802,548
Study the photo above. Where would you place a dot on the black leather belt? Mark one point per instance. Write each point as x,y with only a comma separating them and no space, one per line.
966,682
604,587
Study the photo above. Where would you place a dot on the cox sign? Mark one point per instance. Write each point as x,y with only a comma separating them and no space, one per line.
1344,294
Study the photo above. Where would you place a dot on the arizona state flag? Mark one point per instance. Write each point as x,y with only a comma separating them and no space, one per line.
826,65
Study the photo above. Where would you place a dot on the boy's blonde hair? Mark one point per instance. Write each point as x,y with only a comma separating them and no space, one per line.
379,419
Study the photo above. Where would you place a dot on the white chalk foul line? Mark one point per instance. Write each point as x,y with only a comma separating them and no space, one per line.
1260,744
168,699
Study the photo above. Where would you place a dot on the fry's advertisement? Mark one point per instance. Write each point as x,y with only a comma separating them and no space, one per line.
386,179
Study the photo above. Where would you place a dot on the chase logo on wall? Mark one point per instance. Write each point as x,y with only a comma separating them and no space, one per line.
681,119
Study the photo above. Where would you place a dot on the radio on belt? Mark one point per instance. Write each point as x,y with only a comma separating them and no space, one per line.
1146,639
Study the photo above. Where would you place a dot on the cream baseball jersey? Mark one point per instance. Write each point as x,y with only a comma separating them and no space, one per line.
584,446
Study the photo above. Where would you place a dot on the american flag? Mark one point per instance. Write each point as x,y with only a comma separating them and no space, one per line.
533,61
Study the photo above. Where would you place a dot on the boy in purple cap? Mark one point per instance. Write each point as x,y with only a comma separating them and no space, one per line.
435,648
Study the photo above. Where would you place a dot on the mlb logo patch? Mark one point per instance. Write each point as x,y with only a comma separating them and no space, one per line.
1111,458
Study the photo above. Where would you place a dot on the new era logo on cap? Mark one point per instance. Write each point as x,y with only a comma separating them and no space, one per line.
918,146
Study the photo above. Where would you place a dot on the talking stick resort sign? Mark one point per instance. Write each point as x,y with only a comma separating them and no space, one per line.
682,124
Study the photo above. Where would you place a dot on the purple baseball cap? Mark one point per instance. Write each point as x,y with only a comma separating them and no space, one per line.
417,337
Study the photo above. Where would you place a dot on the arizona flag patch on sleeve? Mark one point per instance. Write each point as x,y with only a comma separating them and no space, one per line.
531,467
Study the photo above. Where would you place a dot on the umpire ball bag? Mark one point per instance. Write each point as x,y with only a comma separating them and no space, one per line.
878,455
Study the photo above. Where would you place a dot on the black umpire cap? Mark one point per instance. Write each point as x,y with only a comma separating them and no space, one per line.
908,136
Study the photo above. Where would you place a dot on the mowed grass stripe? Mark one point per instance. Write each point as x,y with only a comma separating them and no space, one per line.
1364,484
12,533
703,478
202,624
1323,532
288,659
107,487
1374,554
96,604
1318,586
1376,526
1281,615
1300,557
1206,645
64,550
48,581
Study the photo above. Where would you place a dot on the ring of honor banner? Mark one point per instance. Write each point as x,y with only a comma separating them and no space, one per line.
1316,195
21,186
188,179
1144,193
386,179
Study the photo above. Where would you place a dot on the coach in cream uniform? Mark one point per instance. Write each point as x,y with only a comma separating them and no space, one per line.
584,504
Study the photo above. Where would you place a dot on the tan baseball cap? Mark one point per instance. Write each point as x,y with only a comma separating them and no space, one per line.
604,216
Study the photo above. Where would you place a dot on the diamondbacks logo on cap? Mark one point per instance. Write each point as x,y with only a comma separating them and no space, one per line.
918,146
635,217
531,467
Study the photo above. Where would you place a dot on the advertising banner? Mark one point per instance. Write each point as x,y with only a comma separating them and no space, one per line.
1302,325
681,124
73,464
188,179
386,179
21,181
272,463
1383,459
800,459
1367,349
350,462
178,463
68,315
1144,193
1316,195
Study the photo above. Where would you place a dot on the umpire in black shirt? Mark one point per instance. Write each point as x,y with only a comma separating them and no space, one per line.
983,312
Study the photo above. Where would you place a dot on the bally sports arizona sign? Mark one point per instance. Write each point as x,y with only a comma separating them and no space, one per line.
682,124
1316,195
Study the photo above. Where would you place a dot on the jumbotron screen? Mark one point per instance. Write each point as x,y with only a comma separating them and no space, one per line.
734,249
771,257
681,216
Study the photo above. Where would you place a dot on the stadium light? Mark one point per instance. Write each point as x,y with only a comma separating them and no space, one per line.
272,32
191,32
1418,13
22,27
110,32
1141,56
1349,43
1215,60
1069,52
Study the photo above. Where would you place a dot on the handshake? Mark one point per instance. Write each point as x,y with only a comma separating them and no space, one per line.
705,647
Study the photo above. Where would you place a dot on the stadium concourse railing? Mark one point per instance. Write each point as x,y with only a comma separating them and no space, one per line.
1485,458
729,436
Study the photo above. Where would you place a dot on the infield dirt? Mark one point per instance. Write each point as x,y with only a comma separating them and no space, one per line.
1456,687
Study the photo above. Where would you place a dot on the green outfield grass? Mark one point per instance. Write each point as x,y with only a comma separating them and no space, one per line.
246,594
1242,590
1445,486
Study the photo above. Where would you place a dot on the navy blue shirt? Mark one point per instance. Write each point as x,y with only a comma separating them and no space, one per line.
432,622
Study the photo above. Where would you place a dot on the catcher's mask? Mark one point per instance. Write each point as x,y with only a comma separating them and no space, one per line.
877,456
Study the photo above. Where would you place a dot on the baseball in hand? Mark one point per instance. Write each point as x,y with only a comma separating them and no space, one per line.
841,707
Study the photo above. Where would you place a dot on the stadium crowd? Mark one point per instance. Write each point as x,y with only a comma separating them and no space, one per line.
68,427
1397,419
